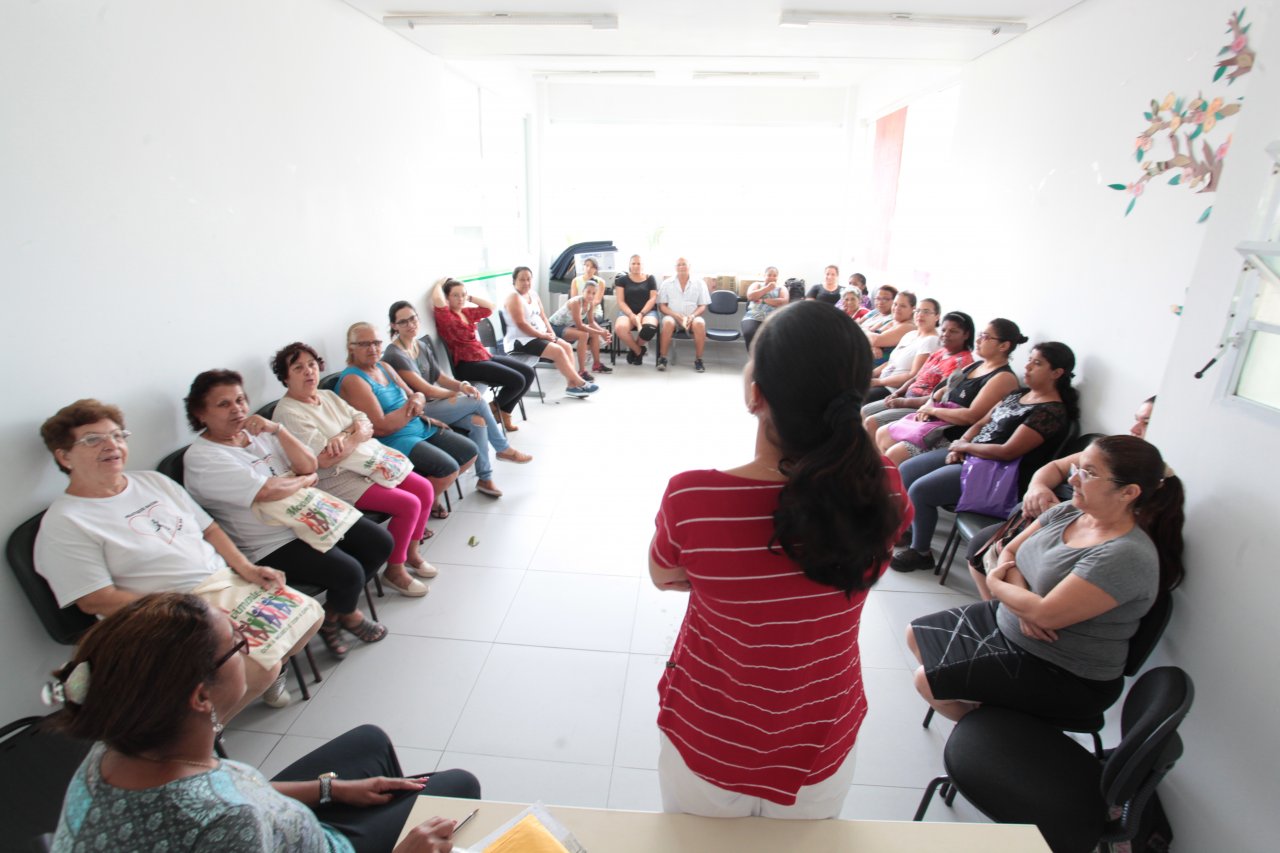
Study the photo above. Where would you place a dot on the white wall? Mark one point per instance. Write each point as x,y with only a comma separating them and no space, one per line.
1221,797
1025,227
192,185
1021,223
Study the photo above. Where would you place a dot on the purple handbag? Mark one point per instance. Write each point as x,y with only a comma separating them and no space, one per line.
988,487
913,431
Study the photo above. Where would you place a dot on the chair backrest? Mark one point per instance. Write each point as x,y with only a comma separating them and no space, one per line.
1150,630
1149,742
1079,443
724,302
36,768
488,339
64,624
268,410
1068,436
330,382
171,465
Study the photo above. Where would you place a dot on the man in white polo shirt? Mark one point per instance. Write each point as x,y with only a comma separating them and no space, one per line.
682,301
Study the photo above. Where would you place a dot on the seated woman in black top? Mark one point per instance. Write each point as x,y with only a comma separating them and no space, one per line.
1029,423
637,297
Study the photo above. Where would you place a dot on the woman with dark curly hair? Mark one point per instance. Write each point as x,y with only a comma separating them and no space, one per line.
777,556
241,458
350,458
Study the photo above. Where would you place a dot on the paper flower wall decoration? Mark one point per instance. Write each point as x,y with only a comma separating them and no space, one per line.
1195,162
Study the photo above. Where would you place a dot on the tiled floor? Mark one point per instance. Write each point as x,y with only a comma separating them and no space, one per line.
534,660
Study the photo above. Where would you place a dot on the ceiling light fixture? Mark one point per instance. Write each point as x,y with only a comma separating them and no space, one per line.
594,74
755,75
500,19
803,18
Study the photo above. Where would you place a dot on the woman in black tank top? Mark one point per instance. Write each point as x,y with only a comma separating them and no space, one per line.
975,390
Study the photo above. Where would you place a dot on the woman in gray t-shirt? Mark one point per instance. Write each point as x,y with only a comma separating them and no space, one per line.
1068,593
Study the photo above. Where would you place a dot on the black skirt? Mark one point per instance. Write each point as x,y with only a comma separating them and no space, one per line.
967,657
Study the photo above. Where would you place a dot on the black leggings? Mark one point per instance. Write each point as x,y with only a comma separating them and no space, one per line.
343,570
511,376
442,454
361,753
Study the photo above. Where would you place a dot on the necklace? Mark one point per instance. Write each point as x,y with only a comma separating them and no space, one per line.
207,764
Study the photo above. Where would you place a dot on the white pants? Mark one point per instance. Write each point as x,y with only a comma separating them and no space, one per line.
685,791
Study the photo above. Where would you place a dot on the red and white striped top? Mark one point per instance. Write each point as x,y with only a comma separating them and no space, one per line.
763,692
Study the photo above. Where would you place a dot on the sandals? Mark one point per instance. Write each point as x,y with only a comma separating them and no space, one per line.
331,635
366,630
438,511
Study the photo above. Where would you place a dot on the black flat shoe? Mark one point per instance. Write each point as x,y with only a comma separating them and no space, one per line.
910,560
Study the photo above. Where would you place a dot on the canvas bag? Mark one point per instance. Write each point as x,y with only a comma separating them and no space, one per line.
272,620
318,518
988,487
383,465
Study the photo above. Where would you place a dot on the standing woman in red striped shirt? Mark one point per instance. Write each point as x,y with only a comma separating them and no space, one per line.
762,697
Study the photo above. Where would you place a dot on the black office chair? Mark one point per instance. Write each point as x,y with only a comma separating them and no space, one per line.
724,303
1141,645
1018,769
36,767
64,624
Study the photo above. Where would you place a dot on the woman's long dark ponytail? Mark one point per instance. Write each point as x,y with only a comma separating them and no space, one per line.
835,516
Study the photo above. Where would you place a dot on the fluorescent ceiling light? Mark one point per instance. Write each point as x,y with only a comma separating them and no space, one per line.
803,18
597,74
755,75
500,19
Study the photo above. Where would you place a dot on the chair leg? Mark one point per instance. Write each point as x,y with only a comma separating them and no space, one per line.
928,717
297,673
949,796
459,485
311,661
1097,745
448,505
377,584
928,796
948,556
524,416
373,611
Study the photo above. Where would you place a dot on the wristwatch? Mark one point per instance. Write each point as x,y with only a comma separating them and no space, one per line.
326,787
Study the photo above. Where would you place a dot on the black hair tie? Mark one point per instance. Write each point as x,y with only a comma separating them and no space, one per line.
842,407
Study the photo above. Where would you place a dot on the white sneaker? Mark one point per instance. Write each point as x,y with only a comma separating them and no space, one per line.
277,695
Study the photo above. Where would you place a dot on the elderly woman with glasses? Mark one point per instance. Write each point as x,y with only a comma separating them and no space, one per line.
113,537
397,414
151,685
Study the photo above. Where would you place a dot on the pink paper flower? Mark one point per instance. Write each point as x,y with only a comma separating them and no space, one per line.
1135,189
1239,43
1222,149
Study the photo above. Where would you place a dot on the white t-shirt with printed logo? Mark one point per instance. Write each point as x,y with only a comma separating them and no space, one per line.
149,538
226,480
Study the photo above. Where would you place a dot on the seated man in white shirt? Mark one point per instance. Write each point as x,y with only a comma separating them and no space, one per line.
682,301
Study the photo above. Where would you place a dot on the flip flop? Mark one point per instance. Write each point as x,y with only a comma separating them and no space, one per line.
439,512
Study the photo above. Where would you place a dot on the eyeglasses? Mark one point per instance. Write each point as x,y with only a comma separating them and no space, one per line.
983,336
1086,476
925,311
241,647
367,344
406,321
93,439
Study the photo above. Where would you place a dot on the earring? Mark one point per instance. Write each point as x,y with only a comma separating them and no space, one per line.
213,718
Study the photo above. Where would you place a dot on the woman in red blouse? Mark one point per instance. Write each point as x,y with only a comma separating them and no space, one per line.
456,317
762,697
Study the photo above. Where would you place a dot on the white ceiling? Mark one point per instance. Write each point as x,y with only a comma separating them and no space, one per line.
674,38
